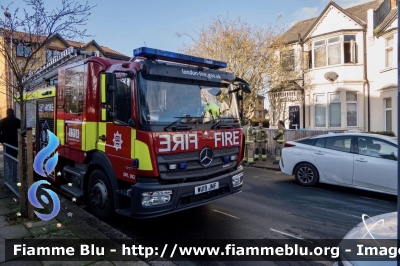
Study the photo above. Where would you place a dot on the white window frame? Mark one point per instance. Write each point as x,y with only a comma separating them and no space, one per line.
315,108
341,42
327,44
353,51
331,44
313,53
356,102
388,109
329,114
387,48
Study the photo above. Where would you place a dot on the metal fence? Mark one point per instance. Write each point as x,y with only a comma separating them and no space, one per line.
11,168
293,134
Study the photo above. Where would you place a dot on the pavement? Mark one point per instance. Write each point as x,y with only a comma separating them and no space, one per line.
72,222
267,164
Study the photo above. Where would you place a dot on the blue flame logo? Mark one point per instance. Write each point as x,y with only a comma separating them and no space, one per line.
42,169
44,153
32,198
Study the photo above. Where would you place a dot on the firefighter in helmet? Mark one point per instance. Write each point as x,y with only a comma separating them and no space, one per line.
249,147
280,140
261,142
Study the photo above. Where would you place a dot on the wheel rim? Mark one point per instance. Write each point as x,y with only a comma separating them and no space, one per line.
305,174
99,194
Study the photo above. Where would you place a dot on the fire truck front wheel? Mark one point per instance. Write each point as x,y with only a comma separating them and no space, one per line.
100,194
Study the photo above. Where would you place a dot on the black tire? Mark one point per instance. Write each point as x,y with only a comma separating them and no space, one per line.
100,195
306,175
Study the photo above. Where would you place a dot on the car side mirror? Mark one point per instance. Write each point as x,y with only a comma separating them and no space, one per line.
131,122
243,85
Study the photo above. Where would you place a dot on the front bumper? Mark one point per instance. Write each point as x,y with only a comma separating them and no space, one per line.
182,197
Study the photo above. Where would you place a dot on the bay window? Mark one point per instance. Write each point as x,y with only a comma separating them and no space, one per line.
349,49
334,51
320,110
351,101
319,54
334,110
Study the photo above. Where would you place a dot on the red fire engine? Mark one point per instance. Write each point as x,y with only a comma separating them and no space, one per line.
144,138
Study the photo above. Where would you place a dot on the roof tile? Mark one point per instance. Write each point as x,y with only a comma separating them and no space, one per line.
302,27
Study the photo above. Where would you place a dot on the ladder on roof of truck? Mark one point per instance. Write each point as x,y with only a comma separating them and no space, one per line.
50,70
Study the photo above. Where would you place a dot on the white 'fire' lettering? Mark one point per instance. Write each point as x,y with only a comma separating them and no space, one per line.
181,142
223,138
166,142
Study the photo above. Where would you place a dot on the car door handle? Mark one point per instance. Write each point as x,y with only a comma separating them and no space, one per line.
103,138
361,160
319,153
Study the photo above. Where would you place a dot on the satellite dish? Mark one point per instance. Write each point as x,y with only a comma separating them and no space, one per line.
331,76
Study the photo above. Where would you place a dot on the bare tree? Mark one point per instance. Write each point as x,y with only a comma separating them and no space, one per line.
250,52
24,35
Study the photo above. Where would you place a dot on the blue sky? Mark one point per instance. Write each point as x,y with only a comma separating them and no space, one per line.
125,25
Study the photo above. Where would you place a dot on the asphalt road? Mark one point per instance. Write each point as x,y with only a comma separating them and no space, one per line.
271,206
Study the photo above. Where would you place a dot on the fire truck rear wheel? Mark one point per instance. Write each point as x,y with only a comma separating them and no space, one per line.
100,194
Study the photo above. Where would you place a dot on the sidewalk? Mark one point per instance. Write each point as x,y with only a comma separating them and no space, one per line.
268,164
78,225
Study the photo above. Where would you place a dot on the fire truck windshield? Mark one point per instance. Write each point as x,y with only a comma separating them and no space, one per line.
162,102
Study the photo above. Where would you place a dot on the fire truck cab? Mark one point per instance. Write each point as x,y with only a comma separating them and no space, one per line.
144,138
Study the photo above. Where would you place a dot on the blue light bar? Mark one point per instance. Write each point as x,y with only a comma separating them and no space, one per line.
178,58
182,166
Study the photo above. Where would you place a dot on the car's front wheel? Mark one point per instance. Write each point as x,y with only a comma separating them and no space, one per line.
306,174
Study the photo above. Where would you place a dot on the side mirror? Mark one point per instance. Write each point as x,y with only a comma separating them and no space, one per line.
243,85
131,122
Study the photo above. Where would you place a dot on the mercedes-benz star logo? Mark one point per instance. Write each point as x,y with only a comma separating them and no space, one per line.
206,157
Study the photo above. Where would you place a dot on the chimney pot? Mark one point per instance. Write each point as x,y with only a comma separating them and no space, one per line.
393,3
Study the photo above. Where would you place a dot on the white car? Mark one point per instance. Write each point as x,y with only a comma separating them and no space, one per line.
380,228
358,160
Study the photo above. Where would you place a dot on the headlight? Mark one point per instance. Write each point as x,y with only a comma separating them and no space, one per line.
237,180
156,198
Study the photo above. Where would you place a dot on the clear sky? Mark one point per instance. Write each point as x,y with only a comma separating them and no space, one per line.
124,25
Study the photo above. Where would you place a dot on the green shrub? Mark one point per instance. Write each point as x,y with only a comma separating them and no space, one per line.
386,133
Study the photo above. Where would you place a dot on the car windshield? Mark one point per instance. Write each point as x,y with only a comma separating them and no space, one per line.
162,102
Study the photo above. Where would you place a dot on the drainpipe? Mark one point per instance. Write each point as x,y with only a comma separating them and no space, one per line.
302,78
366,82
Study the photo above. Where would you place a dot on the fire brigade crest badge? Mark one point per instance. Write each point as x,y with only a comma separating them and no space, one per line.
117,141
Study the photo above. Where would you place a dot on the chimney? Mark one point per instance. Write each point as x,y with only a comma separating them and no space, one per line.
393,3
370,25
